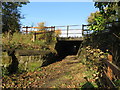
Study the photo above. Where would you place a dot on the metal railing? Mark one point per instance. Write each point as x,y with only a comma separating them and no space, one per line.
70,31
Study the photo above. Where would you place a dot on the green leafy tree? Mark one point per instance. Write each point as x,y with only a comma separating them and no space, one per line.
97,21
11,16
91,18
108,9
99,25
108,12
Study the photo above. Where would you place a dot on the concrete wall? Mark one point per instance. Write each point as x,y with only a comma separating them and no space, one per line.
15,62
22,63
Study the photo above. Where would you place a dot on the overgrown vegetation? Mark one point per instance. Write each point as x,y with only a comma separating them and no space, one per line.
105,25
105,39
44,42
24,41
94,48
92,59
108,12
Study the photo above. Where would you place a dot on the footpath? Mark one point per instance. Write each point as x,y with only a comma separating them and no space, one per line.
68,73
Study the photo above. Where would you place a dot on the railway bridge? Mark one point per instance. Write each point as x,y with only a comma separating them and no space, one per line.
69,37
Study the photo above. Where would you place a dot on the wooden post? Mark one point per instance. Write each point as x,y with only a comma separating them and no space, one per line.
67,30
54,28
109,70
26,29
50,29
9,35
34,37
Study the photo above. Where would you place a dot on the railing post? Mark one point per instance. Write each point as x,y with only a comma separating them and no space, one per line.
67,30
51,28
26,29
82,30
54,31
34,37
54,28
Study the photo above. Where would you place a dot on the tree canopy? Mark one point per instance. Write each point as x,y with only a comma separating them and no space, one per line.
108,12
11,16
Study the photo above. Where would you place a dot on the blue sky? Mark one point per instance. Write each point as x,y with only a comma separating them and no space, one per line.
60,0
56,13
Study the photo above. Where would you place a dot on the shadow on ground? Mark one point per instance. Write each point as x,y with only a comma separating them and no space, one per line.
87,86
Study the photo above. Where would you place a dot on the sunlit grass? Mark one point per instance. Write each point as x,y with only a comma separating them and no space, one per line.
25,41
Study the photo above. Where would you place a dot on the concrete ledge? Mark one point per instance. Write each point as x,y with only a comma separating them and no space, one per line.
31,52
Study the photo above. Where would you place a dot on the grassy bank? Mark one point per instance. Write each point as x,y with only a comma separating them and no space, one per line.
24,41
25,45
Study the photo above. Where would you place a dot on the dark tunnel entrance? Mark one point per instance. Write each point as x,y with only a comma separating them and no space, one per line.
65,48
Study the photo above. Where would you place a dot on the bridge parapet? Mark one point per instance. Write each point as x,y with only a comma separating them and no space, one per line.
69,38
68,32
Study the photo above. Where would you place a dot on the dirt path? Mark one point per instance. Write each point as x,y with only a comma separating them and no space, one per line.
68,73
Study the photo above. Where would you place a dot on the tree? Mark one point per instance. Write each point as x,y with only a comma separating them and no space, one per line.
11,16
41,25
91,18
108,9
97,21
108,12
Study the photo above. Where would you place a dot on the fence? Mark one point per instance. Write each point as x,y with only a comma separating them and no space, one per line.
70,31
111,72
43,30
86,32
61,31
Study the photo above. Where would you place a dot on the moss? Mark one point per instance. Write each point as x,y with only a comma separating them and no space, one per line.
30,63
22,59
22,67
34,65
6,60
4,71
